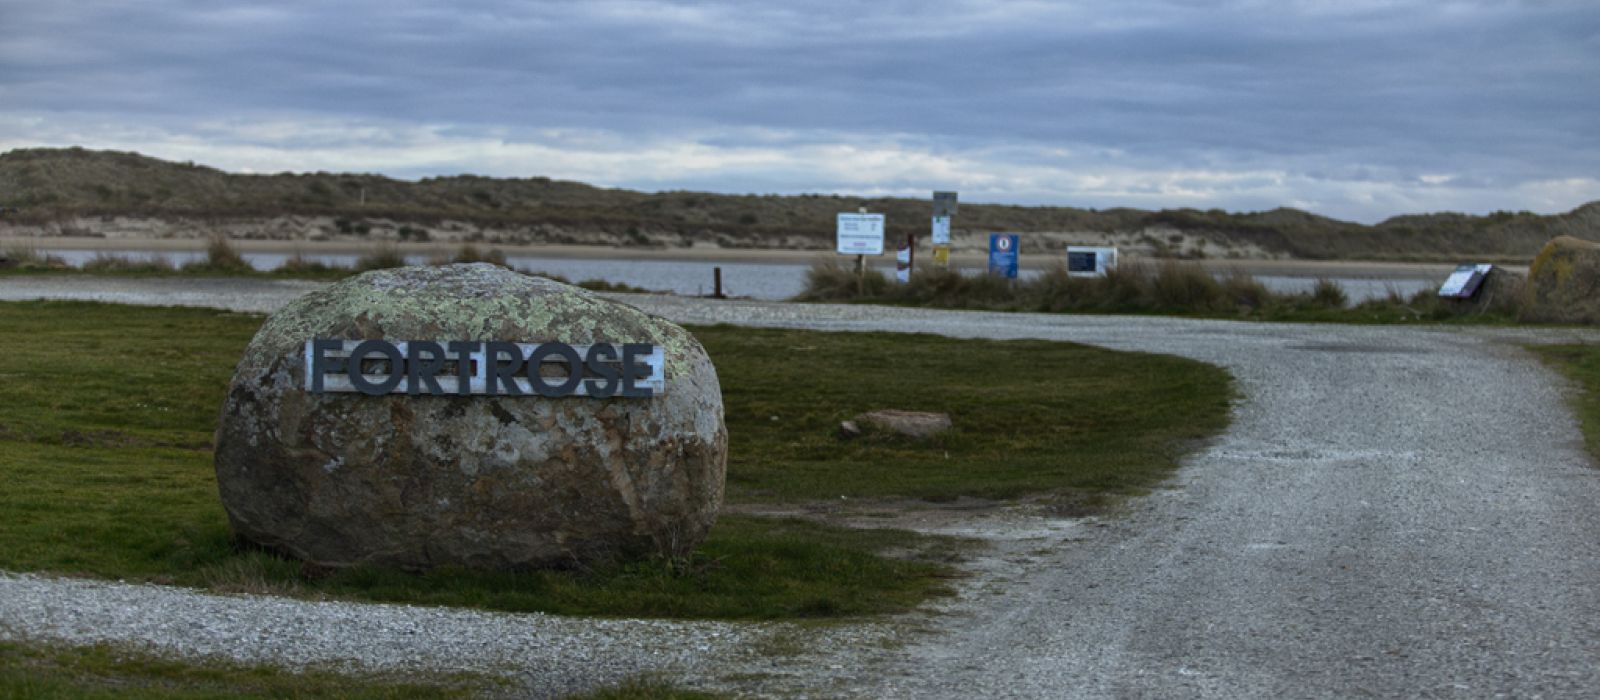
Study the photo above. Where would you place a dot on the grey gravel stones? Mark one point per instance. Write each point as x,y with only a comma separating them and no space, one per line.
485,482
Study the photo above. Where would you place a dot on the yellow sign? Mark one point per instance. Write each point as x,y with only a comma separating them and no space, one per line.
941,254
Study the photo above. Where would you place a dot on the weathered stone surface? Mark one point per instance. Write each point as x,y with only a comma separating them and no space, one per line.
916,424
479,482
1564,283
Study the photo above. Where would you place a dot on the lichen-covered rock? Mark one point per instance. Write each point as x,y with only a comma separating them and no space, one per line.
1564,283
482,482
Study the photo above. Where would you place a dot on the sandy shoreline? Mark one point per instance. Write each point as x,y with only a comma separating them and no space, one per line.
713,254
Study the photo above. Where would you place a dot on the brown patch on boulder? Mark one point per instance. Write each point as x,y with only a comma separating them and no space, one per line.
1564,283
915,424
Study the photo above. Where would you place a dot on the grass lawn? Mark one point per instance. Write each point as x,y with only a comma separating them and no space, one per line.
109,410
1581,363
49,671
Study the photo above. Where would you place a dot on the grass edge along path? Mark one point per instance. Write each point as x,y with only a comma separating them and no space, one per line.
104,440
48,670
1581,364
89,672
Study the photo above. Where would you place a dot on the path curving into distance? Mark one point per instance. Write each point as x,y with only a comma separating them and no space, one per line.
1396,512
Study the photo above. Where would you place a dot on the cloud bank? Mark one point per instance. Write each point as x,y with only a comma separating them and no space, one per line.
1358,109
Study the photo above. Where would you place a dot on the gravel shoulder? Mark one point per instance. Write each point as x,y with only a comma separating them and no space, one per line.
1395,512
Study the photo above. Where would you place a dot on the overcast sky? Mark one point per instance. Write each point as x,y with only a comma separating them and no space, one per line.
1359,109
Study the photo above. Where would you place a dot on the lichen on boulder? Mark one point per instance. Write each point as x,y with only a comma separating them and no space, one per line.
1564,283
480,482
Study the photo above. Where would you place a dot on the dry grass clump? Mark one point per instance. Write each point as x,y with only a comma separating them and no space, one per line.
103,262
29,259
382,257
831,280
299,264
469,253
221,256
1171,287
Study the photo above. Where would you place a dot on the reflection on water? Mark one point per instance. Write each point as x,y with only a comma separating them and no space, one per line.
757,280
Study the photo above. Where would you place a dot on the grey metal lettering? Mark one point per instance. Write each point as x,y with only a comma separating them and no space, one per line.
503,374
633,370
463,350
568,356
598,361
419,370
359,381
322,364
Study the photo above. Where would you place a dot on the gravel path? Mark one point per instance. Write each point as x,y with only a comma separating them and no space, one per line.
1396,512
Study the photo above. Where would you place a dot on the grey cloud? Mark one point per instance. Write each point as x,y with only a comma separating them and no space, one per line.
1500,92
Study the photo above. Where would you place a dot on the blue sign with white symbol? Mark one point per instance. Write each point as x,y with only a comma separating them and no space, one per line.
1003,255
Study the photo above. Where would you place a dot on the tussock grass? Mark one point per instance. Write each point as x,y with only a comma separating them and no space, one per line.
469,253
1168,287
27,258
300,265
382,257
103,263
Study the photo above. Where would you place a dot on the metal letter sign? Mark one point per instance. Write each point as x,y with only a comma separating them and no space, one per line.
860,234
1003,255
494,368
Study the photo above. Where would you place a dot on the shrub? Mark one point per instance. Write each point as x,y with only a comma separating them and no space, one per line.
1184,288
831,280
381,258
103,262
1328,294
25,257
221,255
300,264
469,253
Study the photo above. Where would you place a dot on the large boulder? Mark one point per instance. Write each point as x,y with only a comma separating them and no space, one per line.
1564,283
481,482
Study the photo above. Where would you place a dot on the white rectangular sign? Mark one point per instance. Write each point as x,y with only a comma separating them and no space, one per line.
1090,261
1464,282
941,230
860,234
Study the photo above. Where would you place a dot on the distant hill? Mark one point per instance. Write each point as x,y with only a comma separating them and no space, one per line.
46,187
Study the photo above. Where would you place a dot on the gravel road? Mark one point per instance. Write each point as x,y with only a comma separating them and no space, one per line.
1395,512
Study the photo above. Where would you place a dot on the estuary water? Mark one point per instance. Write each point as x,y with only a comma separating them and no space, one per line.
758,280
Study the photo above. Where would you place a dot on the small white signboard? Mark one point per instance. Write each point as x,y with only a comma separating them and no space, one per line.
941,230
860,234
1090,261
1464,282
